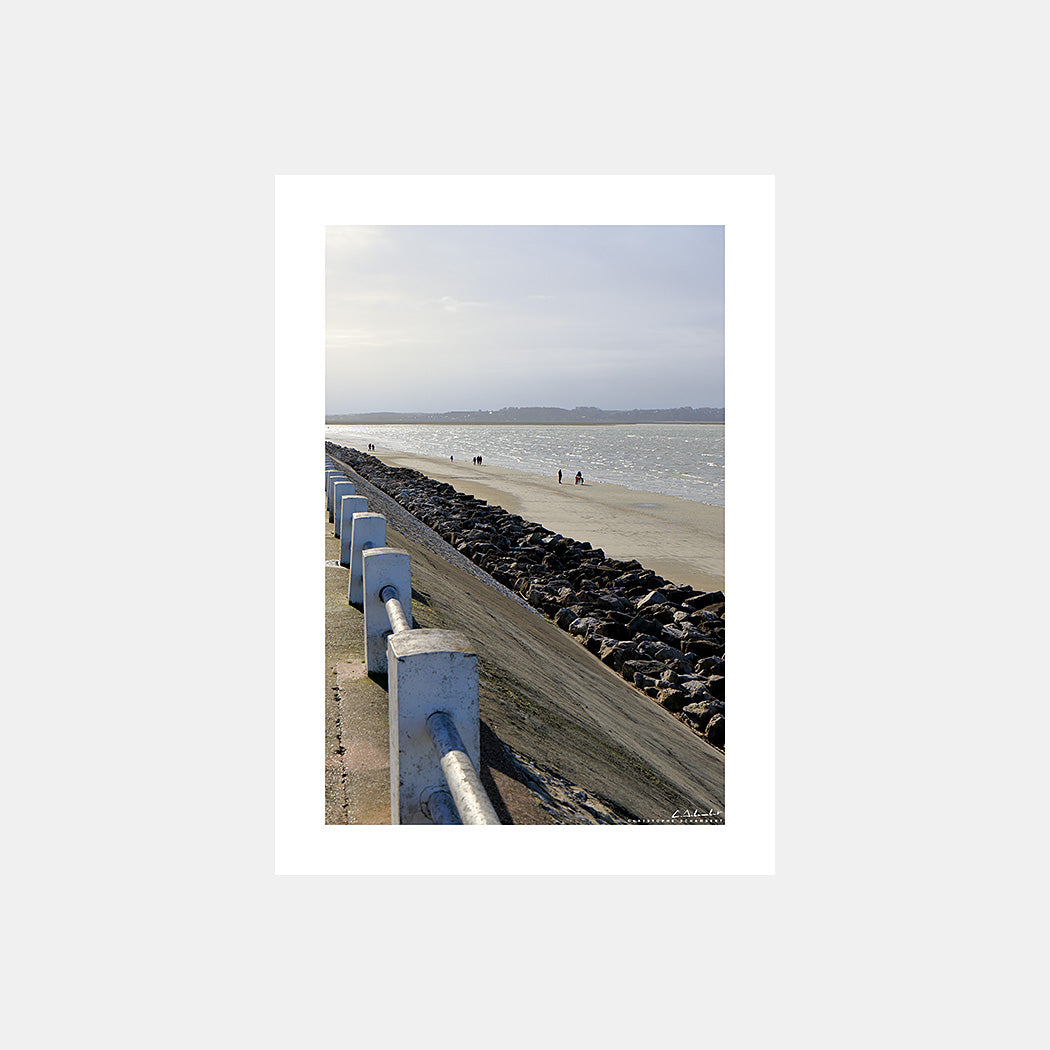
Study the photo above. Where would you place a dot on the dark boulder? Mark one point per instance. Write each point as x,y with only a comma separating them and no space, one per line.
565,616
716,731
711,665
645,625
651,601
702,601
702,647
584,625
672,699
696,689
650,668
700,713
614,652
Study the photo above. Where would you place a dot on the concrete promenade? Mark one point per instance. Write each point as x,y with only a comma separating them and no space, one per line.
357,759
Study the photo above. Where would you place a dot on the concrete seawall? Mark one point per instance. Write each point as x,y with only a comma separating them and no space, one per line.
666,639
564,738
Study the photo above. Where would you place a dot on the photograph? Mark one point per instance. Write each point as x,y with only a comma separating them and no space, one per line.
524,521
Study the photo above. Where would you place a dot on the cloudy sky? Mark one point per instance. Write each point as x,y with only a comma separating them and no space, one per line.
446,318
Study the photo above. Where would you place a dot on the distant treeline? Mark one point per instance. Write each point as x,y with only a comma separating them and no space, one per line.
543,415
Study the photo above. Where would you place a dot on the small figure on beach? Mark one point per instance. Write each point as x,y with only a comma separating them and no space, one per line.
450,459
579,477
559,477
479,461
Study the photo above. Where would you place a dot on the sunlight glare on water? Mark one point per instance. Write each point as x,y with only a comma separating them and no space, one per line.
686,460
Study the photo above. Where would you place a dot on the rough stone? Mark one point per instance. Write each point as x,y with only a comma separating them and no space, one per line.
584,625
672,699
699,714
702,601
650,600
716,730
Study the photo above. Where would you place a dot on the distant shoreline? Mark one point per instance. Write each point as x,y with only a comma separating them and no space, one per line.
357,421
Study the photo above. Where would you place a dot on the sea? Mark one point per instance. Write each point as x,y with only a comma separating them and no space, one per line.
686,460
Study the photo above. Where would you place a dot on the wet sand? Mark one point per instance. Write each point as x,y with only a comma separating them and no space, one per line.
682,540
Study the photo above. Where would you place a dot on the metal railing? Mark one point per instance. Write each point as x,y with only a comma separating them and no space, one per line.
392,600
466,792
472,802
432,674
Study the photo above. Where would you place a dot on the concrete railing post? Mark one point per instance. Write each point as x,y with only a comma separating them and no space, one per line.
368,531
339,490
348,507
428,671
382,567
332,479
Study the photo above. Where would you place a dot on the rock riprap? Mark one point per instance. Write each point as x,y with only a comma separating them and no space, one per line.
667,640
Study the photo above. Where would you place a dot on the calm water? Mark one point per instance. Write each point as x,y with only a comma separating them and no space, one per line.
684,460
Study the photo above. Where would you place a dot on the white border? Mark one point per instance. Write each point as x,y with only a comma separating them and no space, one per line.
305,204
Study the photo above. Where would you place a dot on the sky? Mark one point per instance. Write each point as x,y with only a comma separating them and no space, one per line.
459,318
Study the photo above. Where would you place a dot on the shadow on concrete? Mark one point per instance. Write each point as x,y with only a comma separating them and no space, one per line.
494,756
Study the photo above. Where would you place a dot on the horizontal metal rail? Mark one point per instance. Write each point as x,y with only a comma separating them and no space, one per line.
438,807
465,801
396,614
470,798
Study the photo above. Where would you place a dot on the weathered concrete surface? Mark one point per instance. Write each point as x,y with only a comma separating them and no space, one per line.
357,762
547,700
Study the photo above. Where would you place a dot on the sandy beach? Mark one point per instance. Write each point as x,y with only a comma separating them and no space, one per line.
682,540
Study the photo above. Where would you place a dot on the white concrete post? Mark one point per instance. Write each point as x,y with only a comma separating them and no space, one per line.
428,671
340,489
348,507
383,566
332,479
369,530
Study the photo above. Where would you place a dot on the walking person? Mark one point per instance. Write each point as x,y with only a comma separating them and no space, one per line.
559,477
